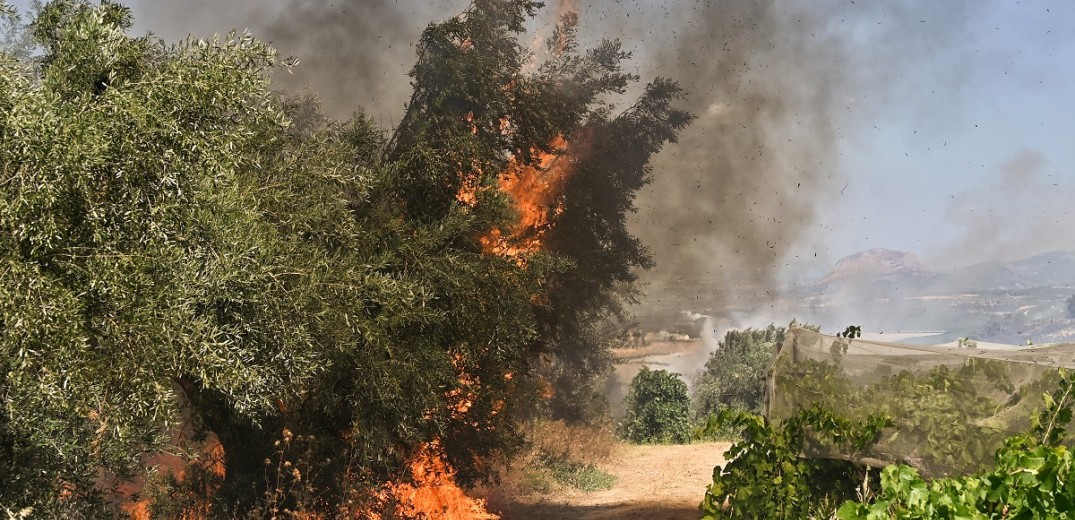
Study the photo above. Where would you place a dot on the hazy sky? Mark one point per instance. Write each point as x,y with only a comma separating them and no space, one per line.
940,127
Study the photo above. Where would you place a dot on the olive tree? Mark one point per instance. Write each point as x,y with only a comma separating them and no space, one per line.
132,254
172,228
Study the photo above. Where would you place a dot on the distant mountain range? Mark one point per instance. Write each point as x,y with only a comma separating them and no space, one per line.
883,290
904,269
1008,302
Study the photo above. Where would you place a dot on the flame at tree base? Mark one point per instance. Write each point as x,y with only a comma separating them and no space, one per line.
433,492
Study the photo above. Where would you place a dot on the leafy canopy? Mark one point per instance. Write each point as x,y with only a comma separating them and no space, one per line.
171,230
658,408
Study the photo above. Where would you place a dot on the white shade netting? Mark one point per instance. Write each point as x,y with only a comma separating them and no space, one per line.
951,406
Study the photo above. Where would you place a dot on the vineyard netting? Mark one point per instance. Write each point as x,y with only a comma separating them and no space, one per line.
951,406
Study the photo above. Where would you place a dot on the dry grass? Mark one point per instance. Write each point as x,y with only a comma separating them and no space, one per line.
652,482
585,444
561,456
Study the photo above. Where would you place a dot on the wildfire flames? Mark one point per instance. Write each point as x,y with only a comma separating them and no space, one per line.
433,492
210,459
537,190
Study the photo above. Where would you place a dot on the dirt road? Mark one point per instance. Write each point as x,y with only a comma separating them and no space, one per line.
653,483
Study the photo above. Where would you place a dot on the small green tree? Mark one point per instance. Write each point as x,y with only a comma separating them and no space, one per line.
734,375
658,408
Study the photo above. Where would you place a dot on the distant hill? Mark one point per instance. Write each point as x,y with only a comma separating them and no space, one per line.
888,290
1055,268
875,263
882,289
876,268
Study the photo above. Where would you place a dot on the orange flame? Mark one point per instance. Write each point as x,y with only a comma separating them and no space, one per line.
208,454
537,189
433,492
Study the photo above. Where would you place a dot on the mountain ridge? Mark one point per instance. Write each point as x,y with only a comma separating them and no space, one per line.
887,266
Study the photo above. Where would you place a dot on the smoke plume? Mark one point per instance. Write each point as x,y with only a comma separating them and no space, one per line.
779,88
742,185
352,55
776,85
1022,207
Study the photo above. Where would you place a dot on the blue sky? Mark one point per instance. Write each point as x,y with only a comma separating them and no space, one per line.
949,138
952,136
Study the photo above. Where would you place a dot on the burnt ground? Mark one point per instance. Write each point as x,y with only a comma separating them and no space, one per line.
653,482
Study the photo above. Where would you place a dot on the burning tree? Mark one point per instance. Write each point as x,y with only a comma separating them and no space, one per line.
170,226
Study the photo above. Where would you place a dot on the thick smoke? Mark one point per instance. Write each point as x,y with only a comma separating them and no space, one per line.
352,55
779,88
776,85
744,183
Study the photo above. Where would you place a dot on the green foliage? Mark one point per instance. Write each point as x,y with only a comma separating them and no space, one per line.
711,428
131,254
768,478
851,332
945,420
734,374
1049,427
657,408
576,475
169,226
1032,478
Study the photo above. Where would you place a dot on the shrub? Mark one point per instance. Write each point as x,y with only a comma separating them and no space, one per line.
734,374
658,408
1032,478
767,477
562,455
712,429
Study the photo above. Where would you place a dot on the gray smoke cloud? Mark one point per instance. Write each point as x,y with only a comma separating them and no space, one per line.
1020,208
353,55
775,85
729,200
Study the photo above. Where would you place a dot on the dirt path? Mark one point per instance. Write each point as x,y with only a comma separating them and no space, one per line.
652,482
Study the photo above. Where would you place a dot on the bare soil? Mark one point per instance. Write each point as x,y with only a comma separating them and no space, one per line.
652,482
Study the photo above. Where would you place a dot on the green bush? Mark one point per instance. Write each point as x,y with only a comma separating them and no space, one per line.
658,409
712,429
734,374
947,420
768,478
1032,478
